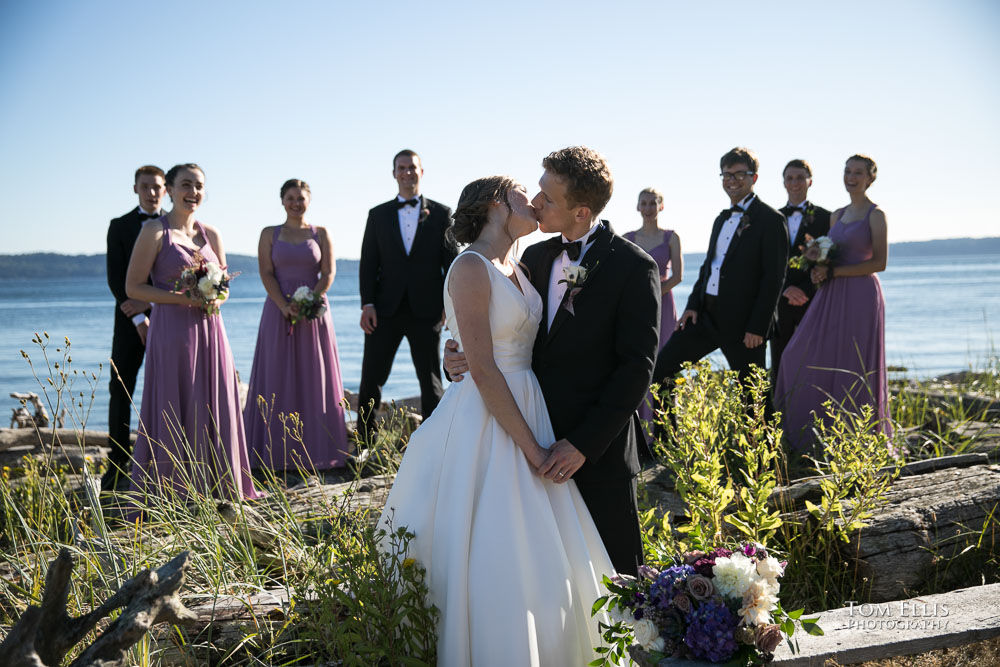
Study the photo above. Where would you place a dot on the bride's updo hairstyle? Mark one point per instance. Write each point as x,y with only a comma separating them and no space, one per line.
869,165
178,168
473,208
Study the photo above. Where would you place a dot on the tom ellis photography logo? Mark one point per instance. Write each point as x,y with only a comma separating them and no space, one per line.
903,615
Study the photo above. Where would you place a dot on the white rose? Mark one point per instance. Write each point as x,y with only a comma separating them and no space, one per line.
207,288
302,294
573,273
645,632
733,575
657,645
213,271
770,568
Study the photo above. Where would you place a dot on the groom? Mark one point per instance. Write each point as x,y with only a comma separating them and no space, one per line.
595,347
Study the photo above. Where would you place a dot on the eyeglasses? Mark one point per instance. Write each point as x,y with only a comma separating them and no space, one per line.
737,175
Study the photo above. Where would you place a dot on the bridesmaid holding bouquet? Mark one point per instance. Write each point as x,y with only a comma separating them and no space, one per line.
191,436
295,365
664,246
838,351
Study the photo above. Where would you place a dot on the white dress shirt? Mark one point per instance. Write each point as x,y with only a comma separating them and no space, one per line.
557,289
408,217
722,245
795,221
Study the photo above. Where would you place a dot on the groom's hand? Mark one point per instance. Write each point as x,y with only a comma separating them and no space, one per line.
454,361
563,462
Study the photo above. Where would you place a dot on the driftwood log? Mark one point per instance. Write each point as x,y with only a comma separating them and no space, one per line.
45,634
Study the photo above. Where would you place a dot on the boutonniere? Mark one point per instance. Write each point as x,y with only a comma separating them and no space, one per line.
809,214
424,212
744,223
574,277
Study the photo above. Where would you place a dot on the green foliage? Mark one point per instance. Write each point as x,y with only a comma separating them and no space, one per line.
367,602
724,453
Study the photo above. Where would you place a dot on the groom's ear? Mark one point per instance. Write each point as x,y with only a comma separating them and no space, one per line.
583,214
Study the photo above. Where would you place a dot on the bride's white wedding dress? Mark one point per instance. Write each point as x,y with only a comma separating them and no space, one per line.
514,561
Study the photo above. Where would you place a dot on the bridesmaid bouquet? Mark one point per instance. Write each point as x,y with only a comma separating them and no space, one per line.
718,606
305,305
816,252
206,282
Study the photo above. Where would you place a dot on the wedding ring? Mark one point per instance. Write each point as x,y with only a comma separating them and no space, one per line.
562,474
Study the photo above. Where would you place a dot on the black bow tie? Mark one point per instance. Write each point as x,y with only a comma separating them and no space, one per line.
408,202
573,248
147,216
729,211
793,209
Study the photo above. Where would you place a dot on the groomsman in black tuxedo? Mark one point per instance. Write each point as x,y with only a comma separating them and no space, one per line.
804,218
595,346
405,254
131,319
732,305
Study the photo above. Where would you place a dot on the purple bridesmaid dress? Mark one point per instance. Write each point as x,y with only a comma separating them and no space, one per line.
838,351
668,313
191,428
300,371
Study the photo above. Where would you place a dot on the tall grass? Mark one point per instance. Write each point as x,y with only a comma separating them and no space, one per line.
237,548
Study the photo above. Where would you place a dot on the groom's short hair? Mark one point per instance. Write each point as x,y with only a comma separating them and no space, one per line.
587,175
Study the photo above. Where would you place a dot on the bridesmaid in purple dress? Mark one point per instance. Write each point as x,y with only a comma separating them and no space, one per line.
838,351
295,370
191,428
664,246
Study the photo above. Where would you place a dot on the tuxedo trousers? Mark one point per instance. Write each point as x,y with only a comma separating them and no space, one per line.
127,353
789,317
696,341
424,338
615,510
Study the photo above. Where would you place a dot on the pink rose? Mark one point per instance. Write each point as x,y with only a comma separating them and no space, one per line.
700,587
692,557
812,253
682,602
294,308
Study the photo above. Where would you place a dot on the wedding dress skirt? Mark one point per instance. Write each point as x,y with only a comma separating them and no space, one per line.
514,561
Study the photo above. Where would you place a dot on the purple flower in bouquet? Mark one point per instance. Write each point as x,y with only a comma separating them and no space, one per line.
648,572
692,557
704,565
711,632
665,587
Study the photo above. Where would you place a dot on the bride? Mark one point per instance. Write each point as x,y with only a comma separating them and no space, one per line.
514,561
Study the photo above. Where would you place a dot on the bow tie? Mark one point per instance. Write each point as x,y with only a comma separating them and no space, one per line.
729,211
573,248
409,202
794,209
147,216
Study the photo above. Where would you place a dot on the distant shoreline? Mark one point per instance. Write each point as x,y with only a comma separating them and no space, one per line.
48,265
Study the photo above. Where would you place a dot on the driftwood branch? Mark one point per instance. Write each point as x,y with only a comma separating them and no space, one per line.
45,634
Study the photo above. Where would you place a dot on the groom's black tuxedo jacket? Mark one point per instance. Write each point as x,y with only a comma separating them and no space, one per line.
122,233
815,223
752,274
594,365
386,273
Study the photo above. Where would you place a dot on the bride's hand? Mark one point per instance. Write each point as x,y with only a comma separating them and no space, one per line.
536,456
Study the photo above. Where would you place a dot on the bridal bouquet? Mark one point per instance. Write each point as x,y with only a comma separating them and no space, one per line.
719,606
305,305
816,252
205,282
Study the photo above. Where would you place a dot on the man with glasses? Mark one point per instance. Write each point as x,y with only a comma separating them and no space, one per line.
733,303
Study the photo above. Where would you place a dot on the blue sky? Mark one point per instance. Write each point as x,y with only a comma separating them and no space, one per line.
260,92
